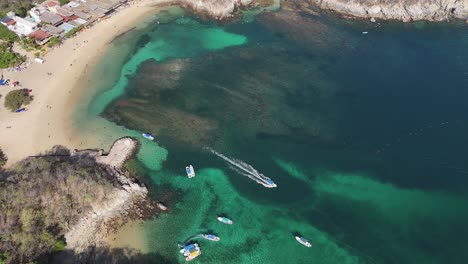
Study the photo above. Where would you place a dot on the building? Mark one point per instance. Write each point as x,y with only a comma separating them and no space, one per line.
4,21
66,27
52,5
52,30
40,37
51,18
24,26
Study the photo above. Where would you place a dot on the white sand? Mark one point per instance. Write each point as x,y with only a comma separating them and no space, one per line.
47,121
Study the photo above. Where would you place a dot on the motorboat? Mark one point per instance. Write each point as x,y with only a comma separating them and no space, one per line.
190,171
211,237
190,251
148,136
303,241
269,183
225,220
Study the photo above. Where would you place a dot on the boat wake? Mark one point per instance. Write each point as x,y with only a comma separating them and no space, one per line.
245,169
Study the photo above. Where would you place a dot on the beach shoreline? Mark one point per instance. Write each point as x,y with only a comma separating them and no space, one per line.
48,121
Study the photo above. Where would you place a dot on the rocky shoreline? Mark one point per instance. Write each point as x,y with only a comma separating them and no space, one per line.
218,9
403,10
126,202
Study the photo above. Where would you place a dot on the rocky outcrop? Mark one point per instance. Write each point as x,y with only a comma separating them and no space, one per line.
404,10
91,229
214,8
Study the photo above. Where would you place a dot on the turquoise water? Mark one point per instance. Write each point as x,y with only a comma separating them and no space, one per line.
364,135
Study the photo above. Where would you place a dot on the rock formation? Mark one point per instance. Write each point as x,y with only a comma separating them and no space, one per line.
404,10
215,8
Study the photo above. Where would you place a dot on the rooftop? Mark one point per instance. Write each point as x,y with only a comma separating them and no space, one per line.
39,35
5,20
52,3
50,18
51,29
64,12
66,27
25,22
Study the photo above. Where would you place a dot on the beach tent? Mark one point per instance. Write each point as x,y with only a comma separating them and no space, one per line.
3,82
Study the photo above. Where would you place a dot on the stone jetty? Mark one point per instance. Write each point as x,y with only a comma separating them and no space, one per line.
119,153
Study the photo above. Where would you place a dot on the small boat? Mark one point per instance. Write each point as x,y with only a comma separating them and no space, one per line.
225,220
270,183
303,241
211,237
190,171
364,32
191,251
162,206
148,136
19,110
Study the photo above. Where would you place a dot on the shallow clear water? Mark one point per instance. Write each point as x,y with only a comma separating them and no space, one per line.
365,136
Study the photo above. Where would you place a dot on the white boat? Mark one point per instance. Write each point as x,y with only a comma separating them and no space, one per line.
148,136
365,32
268,183
190,171
303,241
225,220
211,237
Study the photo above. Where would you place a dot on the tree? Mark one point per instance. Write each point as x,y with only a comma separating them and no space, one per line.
63,2
17,98
3,158
7,35
53,41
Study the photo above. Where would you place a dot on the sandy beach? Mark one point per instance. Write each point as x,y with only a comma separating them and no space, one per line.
47,121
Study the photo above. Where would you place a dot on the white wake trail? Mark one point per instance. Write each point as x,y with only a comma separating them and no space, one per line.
245,169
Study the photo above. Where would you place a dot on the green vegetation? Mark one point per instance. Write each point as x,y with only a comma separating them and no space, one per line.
17,98
5,258
20,7
7,35
3,159
28,44
73,31
63,2
9,58
41,198
53,41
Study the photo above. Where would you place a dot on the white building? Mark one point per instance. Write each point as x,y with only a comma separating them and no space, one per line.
23,26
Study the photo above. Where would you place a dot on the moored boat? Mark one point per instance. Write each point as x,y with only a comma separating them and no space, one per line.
225,220
148,136
211,237
162,206
303,241
190,171
191,251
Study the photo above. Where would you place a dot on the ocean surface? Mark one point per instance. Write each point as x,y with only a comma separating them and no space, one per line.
366,136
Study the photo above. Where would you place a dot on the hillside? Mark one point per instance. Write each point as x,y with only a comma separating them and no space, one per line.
45,200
